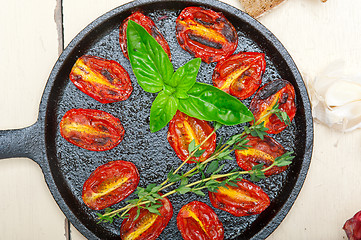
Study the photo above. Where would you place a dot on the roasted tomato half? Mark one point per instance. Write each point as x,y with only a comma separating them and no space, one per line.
104,80
198,221
109,184
243,200
241,74
148,225
206,34
183,129
261,151
279,91
91,129
149,25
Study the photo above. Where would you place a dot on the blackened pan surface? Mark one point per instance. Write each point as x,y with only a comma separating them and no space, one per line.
66,166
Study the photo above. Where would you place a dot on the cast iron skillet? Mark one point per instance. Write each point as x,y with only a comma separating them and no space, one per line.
66,166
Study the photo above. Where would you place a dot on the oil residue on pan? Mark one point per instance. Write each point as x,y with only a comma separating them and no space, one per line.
150,152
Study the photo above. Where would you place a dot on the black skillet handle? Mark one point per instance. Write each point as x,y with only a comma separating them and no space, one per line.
23,142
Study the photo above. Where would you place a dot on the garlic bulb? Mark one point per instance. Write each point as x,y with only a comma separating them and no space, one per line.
336,98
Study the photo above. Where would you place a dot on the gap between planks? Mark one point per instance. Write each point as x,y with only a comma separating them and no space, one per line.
58,18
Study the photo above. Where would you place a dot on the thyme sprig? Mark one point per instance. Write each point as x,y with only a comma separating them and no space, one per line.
149,197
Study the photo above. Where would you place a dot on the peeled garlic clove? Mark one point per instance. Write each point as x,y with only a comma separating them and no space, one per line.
342,92
349,115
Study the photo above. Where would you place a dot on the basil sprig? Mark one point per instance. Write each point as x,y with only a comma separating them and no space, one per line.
178,90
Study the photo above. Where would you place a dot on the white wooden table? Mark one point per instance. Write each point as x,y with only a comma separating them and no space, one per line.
315,34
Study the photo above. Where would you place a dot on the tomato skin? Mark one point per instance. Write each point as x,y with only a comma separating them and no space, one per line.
109,184
352,227
91,129
183,129
148,225
267,97
261,151
104,80
206,34
240,74
198,221
149,25
243,200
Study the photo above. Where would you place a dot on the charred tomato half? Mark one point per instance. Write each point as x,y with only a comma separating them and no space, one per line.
261,151
241,74
206,34
197,221
109,184
245,199
279,92
91,129
146,225
104,80
183,129
149,25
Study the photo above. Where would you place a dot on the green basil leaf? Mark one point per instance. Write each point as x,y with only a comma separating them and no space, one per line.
185,77
181,94
150,63
168,89
162,111
208,103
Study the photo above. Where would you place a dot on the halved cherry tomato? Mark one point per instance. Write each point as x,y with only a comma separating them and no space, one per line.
109,184
243,200
91,129
148,225
261,151
183,129
241,74
149,25
198,221
104,80
279,91
206,34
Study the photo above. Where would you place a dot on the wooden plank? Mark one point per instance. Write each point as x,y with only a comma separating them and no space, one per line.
315,34
28,50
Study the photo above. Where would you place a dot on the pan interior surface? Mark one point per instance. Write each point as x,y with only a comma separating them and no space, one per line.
70,165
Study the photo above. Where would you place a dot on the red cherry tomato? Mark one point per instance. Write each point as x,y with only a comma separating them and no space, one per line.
148,225
261,151
109,184
183,129
243,200
198,221
206,34
93,130
241,74
279,91
149,25
104,80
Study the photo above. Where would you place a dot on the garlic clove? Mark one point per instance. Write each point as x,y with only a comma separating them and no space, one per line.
344,118
342,92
